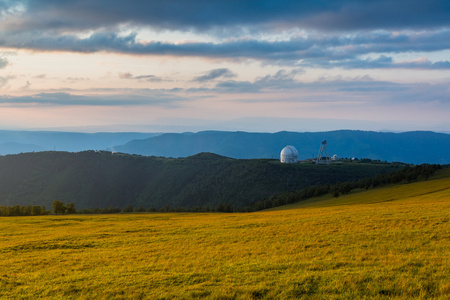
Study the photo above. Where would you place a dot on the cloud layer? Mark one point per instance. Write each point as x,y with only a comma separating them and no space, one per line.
202,15
353,59
3,63
322,34
119,98
214,74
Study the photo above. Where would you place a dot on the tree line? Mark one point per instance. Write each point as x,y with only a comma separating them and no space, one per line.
407,174
97,179
22,210
58,208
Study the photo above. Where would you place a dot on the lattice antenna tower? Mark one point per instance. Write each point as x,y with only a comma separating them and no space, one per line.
324,156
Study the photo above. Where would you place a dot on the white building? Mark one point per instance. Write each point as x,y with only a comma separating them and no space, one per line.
289,155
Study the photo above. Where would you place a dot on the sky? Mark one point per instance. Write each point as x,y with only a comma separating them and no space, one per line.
249,65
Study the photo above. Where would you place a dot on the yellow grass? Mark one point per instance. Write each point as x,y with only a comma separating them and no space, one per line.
391,242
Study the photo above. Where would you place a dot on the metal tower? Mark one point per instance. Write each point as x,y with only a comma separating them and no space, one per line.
324,156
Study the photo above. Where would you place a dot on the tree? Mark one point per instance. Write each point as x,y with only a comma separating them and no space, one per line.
70,208
344,188
140,209
128,208
58,207
36,210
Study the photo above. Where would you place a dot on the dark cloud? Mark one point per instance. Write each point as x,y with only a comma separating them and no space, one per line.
332,89
111,42
3,81
423,64
339,89
358,86
385,62
214,74
151,78
233,86
3,63
280,80
285,81
336,33
76,79
205,15
26,86
316,51
138,98
126,75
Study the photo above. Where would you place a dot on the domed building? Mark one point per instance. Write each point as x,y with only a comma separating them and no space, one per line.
289,155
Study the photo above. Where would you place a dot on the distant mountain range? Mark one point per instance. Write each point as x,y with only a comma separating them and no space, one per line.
14,142
410,147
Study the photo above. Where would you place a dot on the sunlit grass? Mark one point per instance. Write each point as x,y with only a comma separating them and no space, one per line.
390,242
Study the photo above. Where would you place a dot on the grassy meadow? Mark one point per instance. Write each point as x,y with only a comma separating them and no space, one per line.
391,242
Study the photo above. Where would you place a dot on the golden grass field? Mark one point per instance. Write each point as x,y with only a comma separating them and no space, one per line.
391,242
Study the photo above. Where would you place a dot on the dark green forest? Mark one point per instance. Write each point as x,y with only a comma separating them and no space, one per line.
100,179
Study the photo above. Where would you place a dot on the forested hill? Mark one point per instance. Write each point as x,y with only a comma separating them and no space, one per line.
410,147
99,179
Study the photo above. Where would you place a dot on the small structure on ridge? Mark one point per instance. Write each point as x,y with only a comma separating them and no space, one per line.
289,155
324,156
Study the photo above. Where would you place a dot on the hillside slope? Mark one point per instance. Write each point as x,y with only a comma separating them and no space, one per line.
438,187
411,147
99,179
387,249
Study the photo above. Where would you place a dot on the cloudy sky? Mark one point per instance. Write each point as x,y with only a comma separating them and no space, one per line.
252,65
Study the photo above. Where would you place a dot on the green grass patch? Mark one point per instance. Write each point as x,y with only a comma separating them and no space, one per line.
391,242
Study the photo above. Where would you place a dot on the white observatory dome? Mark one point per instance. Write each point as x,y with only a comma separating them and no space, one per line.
289,155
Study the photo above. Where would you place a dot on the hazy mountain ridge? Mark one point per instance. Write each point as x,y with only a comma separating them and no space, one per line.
14,142
411,147
13,148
